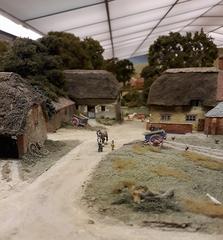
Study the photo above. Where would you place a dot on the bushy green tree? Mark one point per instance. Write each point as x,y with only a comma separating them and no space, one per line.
4,46
94,52
122,69
69,48
30,59
178,51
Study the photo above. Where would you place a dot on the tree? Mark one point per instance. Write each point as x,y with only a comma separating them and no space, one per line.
69,48
124,70
111,65
94,52
30,59
4,46
178,51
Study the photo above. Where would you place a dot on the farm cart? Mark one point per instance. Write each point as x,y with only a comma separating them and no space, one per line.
79,121
155,138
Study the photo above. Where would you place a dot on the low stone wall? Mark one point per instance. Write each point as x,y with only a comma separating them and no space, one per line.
172,127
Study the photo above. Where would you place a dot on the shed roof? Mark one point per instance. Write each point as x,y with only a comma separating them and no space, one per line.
16,99
217,111
62,103
91,86
179,88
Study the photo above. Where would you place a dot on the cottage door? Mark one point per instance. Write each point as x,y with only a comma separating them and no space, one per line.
91,111
200,126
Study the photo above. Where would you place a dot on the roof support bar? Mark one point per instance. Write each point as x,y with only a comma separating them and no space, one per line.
64,11
201,15
109,25
155,27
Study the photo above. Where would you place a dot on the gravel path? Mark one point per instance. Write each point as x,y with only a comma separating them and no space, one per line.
49,208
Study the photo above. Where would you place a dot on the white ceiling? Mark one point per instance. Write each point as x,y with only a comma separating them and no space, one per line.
134,24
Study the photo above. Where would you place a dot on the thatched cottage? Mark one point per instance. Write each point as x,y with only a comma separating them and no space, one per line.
22,120
179,98
64,110
95,92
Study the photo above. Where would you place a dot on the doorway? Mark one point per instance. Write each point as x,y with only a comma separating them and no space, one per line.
8,147
91,111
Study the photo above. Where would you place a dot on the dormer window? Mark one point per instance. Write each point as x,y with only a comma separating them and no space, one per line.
195,103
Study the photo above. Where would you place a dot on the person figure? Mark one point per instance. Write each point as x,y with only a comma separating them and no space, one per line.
100,147
113,145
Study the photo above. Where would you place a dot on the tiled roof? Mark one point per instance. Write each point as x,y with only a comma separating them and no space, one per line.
216,111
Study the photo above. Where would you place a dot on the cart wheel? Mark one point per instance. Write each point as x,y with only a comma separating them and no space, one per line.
75,121
155,140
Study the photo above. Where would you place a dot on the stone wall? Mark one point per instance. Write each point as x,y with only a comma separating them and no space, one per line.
35,130
61,116
178,114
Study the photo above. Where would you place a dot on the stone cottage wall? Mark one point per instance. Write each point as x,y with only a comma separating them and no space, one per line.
62,116
35,130
178,114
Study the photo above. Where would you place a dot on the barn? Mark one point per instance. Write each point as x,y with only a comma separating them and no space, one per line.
22,119
214,120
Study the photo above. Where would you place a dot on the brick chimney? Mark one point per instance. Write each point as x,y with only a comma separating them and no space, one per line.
219,97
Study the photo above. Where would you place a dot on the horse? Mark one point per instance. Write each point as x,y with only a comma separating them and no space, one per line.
102,136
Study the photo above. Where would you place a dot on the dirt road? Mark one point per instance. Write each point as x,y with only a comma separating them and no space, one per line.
49,209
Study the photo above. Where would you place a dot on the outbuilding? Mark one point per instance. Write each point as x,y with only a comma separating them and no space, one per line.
214,120
64,110
22,119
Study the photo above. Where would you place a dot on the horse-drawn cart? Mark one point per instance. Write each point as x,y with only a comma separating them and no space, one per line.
155,138
79,121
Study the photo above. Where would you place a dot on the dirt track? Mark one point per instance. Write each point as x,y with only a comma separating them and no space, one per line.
49,209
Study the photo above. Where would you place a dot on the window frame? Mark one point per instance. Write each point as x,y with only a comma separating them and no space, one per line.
165,117
191,118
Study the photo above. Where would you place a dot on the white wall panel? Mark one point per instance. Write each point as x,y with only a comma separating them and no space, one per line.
72,19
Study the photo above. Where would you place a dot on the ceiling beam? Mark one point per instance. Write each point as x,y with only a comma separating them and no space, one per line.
202,15
153,29
109,26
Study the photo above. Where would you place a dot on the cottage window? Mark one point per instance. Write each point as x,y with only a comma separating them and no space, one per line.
191,118
103,108
195,103
165,117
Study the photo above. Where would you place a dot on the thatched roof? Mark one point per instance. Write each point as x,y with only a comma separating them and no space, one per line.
16,99
216,111
177,87
62,103
91,86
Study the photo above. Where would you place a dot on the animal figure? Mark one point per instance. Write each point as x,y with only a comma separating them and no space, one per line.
102,136
186,148
173,138
216,141
131,116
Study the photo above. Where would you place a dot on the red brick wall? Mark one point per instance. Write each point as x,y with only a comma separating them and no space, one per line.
220,80
172,127
213,126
